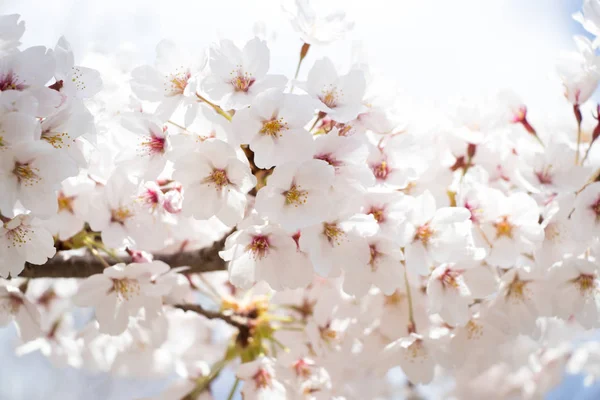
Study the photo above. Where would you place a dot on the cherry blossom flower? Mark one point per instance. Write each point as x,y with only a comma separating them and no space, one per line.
31,173
340,97
274,128
23,239
120,292
260,381
237,76
511,227
580,72
11,30
215,182
170,81
316,29
296,194
586,213
576,291
15,306
436,235
256,254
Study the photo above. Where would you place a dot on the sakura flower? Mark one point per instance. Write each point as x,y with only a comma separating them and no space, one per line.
147,156
436,235
215,182
296,194
589,17
559,232
274,128
16,127
389,210
29,70
113,211
169,82
414,355
511,227
75,81
11,30
586,215
383,270
23,239
14,305
313,28
120,292
580,72
237,76
339,243
395,165
256,253
340,97
73,203
521,299
347,155
260,381
576,287
31,173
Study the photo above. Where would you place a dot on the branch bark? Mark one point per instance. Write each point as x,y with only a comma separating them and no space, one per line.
203,260
230,319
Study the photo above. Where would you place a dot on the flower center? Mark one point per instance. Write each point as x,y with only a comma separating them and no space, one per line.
11,304
218,178
153,144
17,236
374,257
552,231
295,196
586,283
333,233
26,174
241,81
517,290
377,213
57,139
10,81
259,246
424,234
262,378
504,228
449,279
329,159
330,95
596,209
273,127
381,170
394,299
416,350
302,368
121,214
126,288
474,330
544,176
65,203
176,83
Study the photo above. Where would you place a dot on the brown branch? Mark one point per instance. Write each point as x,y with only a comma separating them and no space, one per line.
203,260
233,320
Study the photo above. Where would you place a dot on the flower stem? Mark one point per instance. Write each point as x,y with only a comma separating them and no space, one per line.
215,107
233,389
412,326
96,254
303,52
578,117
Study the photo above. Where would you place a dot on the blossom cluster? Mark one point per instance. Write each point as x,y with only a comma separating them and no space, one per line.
351,242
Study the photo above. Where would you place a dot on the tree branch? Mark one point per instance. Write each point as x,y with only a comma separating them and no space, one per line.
203,260
232,320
